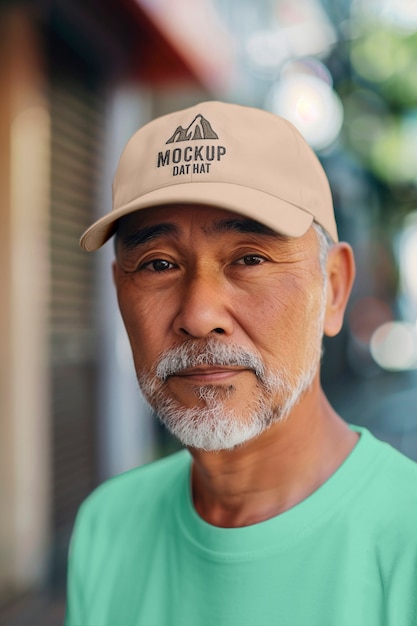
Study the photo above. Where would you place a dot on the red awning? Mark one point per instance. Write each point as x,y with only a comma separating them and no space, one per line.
181,40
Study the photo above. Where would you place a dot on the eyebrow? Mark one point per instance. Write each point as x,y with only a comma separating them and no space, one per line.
242,225
148,233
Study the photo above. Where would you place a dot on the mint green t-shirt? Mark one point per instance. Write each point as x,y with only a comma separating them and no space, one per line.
345,556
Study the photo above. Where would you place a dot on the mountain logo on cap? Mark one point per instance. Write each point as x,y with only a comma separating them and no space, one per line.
200,128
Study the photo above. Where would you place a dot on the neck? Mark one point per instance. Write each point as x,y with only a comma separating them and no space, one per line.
274,472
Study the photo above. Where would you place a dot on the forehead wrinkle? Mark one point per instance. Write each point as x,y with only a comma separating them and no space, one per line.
148,233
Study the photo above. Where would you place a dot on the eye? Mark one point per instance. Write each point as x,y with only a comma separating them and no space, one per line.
251,259
157,265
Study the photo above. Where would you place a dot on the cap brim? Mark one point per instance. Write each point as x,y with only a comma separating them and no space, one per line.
283,217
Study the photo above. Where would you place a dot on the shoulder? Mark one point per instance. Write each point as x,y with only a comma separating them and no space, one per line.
390,465
390,512
135,491
391,484
394,465
375,446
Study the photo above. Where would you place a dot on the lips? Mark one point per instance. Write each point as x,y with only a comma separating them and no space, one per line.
209,373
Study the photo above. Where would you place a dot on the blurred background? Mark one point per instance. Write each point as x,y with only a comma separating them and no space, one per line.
77,77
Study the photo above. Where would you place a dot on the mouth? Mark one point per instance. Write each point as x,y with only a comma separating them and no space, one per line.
209,374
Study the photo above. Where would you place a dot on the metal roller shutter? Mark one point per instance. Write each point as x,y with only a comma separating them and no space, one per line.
77,122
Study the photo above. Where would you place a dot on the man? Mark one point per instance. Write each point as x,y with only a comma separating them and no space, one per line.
228,271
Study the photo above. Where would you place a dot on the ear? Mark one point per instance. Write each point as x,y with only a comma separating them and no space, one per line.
340,277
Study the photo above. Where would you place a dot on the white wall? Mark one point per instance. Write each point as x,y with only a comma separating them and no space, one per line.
125,427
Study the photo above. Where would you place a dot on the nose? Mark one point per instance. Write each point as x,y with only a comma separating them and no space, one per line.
203,308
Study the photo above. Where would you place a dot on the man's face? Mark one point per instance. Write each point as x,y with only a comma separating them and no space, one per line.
224,317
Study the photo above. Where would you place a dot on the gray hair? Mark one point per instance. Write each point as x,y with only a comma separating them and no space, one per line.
325,244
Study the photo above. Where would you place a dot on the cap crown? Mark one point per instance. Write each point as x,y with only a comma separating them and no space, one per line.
239,158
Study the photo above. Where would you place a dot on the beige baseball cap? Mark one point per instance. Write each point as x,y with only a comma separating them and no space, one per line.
233,157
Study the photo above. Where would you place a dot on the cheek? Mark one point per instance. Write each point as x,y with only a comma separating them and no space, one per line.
274,307
144,323
280,320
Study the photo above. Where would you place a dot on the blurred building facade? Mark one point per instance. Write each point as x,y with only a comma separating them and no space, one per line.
77,78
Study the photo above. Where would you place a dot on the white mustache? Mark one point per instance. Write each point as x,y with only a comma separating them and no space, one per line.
194,354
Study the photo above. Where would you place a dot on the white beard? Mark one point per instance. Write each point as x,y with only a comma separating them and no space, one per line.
214,426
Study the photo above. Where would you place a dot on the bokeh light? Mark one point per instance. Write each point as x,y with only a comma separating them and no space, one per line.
399,14
383,51
380,54
366,117
394,151
394,346
267,50
311,105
